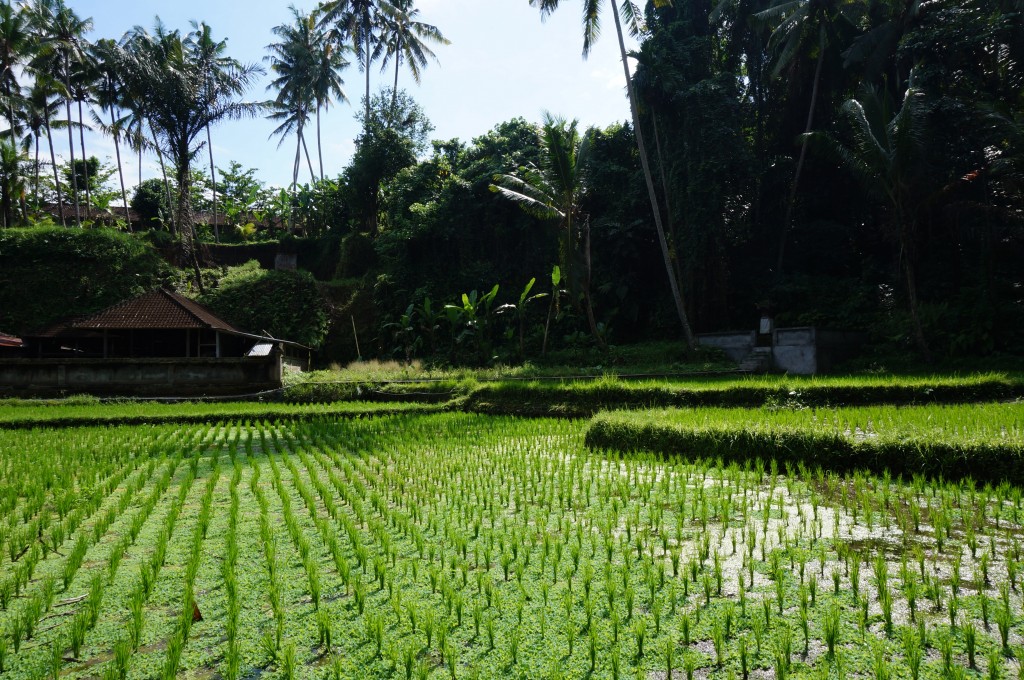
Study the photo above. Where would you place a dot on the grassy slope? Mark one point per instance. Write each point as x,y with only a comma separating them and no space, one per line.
22,414
983,441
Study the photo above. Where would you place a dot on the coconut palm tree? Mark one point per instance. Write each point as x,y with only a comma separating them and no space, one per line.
15,46
406,37
39,111
554,190
83,82
168,76
885,154
803,25
298,65
12,180
326,82
630,15
60,34
109,96
356,23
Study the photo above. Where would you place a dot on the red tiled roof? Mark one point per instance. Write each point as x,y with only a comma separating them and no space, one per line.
9,341
159,308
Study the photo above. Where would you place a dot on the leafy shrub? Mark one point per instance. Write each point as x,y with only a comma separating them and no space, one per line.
285,304
48,274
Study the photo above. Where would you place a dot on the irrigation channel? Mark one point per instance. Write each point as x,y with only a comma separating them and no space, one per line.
469,546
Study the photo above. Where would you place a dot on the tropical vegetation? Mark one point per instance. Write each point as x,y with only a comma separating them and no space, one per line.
825,164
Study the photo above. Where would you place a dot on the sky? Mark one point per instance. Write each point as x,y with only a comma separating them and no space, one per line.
504,62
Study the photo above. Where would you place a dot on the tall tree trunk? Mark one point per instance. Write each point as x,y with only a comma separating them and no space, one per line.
398,64
788,219
677,296
35,187
85,162
295,180
213,185
71,145
366,65
591,321
309,163
56,179
677,267
5,205
319,147
167,184
185,217
120,167
908,255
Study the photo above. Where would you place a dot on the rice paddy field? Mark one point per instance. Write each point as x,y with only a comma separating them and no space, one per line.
459,545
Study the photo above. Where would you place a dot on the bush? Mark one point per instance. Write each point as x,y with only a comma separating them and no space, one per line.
49,273
285,304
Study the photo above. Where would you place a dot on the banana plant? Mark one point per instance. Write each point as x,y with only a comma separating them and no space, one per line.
554,309
519,310
403,332
430,321
471,321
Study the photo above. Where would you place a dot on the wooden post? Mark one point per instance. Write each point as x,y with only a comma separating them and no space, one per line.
359,354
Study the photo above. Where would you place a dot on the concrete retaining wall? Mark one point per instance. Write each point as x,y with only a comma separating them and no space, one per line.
805,351
736,345
139,377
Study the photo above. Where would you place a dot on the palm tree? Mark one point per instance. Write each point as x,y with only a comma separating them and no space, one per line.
168,76
405,37
803,25
15,45
591,31
554,191
886,157
83,82
60,35
109,96
294,61
12,180
356,23
326,83
39,109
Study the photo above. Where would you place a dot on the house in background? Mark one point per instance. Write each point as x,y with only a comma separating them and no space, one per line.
9,345
156,344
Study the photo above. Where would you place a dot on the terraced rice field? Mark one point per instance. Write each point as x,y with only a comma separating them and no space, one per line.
461,546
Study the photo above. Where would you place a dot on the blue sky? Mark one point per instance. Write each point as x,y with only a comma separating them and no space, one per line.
503,62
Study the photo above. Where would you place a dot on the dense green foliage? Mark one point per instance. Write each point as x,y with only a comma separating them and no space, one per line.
49,274
903,203
855,165
149,201
285,304
984,441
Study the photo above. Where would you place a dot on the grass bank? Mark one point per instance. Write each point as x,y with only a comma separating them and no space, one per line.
981,441
16,414
585,398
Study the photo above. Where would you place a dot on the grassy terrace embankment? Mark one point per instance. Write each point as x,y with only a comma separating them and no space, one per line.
577,398
17,414
330,393
982,441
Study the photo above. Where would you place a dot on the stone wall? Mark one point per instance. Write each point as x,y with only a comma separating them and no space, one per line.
736,345
139,377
